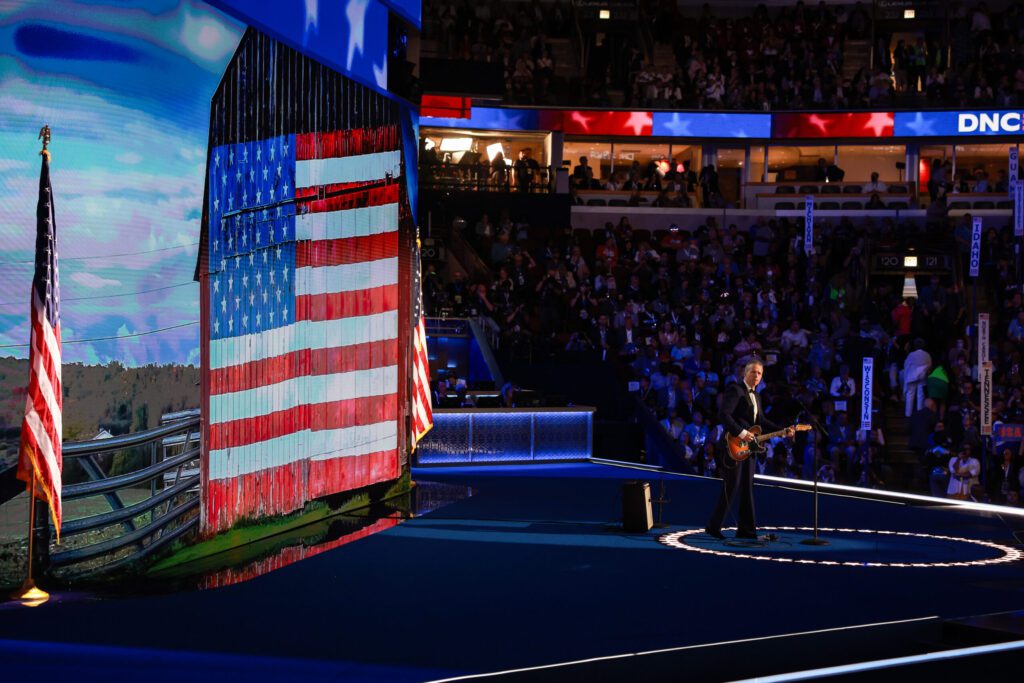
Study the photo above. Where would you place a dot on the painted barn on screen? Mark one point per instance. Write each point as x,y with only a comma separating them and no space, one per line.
304,272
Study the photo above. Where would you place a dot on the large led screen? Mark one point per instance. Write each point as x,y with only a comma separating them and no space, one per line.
125,88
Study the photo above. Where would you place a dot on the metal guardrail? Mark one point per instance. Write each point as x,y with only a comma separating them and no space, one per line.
480,178
125,533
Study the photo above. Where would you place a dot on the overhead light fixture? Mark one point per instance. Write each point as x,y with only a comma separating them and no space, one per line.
604,14
910,262
456,144
908,14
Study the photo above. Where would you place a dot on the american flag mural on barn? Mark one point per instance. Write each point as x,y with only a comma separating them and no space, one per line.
304,316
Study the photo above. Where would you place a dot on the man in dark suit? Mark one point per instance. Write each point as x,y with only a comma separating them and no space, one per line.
741,409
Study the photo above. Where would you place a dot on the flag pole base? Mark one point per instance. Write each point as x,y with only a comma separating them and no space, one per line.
30,595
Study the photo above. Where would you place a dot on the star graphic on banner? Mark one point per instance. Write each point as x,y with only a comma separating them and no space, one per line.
741,133
584,121
507,121
879,122
818,122
380,75
679,126
355,12
312,16
638,120
921,125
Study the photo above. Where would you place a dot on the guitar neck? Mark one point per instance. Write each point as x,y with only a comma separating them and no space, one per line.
770,435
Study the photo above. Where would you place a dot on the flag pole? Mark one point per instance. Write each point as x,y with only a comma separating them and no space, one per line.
29,594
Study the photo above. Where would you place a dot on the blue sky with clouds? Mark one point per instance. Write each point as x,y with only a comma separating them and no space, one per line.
126,88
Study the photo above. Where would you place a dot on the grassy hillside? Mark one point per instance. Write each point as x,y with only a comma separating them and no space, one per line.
96,397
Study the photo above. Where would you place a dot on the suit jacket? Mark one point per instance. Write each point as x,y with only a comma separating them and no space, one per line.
737,411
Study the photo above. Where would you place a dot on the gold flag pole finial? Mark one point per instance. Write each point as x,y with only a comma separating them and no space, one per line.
44,135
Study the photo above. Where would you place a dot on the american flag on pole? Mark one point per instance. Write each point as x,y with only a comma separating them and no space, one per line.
303,319
39,457
422,414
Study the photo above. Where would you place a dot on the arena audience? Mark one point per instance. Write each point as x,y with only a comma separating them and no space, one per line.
788,57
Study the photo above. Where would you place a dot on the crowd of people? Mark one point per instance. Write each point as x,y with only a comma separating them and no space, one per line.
789,57
681,310
514,35
792,58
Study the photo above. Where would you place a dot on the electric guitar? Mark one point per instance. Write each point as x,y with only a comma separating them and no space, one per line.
739,449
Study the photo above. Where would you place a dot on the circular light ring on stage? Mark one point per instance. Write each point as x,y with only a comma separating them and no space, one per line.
677,539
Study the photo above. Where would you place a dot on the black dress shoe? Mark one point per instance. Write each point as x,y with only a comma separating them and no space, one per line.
717,534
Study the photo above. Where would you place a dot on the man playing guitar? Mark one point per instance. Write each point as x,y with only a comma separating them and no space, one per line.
741,412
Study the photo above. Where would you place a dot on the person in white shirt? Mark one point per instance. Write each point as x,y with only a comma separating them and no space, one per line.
795,336
843,386
915,374
963,473
875,185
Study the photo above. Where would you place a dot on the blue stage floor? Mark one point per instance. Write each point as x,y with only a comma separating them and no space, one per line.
531,569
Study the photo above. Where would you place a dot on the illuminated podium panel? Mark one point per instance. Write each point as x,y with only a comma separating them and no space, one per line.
516,435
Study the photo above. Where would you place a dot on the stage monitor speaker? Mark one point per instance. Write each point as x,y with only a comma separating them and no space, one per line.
636,507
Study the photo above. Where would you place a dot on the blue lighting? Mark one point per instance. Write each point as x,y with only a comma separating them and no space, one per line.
489,118
507,436
960,123
700,125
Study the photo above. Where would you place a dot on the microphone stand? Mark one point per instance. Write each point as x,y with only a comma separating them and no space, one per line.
815,540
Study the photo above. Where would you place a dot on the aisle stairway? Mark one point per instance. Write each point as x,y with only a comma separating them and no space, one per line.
907,470
856,55
909,474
